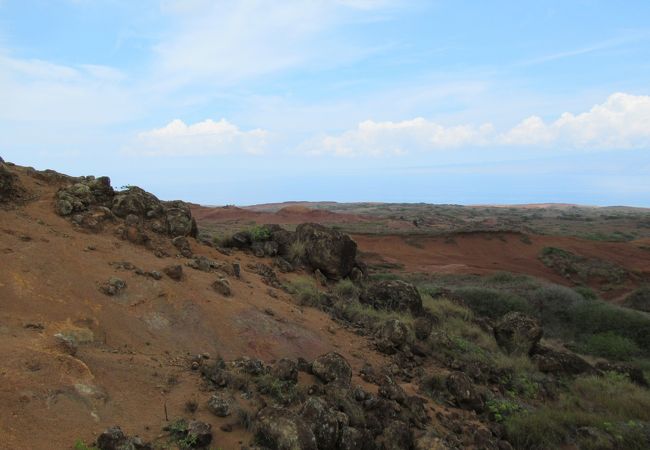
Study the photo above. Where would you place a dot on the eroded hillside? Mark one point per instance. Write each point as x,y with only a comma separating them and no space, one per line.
114,312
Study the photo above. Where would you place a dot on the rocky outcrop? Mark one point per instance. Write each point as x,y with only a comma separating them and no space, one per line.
281,429
393,295
332,368
139,209
518,333
8,188
328,250
392,336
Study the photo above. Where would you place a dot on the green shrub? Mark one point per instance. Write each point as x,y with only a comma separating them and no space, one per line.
490,302
260,233
296,251
346,289
609,345
305,291
554,305
611,404
586,292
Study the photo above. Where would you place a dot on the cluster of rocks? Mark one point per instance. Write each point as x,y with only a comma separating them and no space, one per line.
318,247
91,202
329,415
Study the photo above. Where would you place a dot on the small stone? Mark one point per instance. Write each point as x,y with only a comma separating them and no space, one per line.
222,286
175,272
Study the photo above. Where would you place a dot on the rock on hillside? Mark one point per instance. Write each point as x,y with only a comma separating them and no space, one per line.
91,201
328,250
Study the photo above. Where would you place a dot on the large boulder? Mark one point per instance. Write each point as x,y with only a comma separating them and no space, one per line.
461,388
179,220
281,429
138,202
560,363
518,333
332,368
323,422
392,336
394,295
328,250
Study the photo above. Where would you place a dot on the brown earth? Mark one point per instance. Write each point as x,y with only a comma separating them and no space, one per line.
484,253
132,358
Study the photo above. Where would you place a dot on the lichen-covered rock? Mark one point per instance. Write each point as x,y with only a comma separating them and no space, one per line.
392,336
113,286
179,220
220,405
394,295
183,246
332,368
422,327
323,422
281,429
222,286
199,433
518,333
328,250
461,388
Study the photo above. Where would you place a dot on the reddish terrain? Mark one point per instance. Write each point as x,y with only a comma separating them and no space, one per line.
132,357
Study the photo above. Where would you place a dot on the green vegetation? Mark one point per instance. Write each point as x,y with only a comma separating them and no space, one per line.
609,345
581,269
296,251
616,410
259,233
305,291
81,445
283,392
491,302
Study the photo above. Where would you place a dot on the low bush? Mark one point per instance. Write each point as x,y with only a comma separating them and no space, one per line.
259,233
305,291
346,289
619,409
608,345
491,302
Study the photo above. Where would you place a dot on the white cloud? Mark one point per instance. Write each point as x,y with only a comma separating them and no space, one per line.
621,122
34,90
202,138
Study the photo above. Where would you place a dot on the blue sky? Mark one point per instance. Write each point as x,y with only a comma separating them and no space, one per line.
351,100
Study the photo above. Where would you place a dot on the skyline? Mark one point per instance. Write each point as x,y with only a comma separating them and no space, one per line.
350,100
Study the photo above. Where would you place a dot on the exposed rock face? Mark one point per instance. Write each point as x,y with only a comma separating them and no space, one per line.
394,295
137,207
328,250
561,363
460,386
7,184
518,333
332,368
280,429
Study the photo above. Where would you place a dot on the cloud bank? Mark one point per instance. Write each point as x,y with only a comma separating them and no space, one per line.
202,138
621,122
